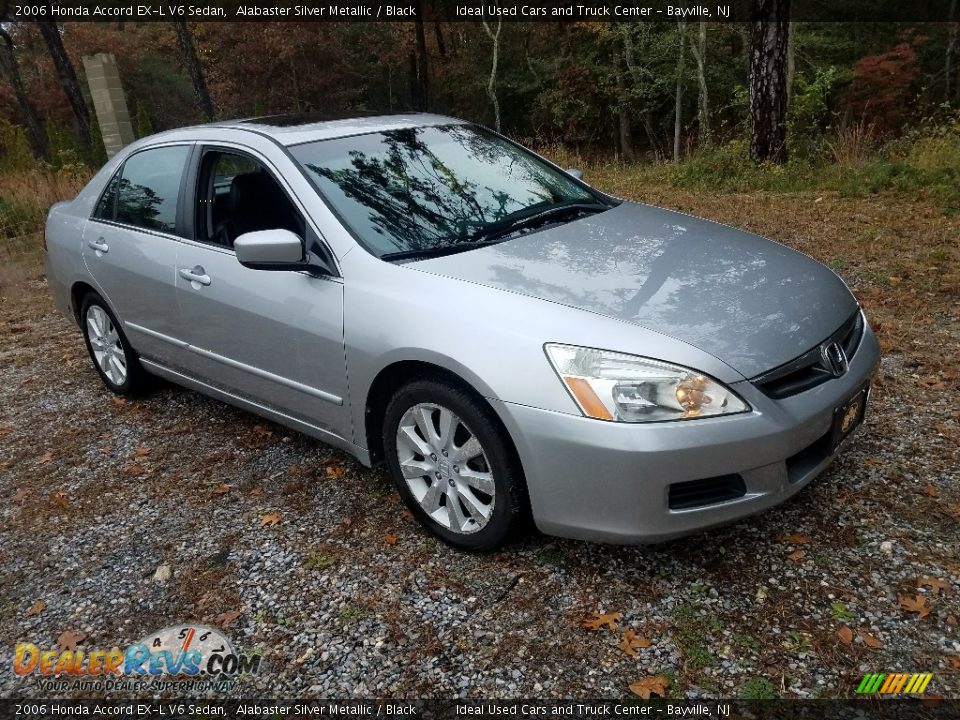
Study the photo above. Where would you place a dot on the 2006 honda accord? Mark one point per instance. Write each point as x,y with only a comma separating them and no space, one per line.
419,290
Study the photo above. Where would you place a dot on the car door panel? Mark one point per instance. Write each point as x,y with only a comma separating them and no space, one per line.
272,336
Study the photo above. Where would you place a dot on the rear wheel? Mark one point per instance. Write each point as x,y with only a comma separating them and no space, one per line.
452,465
109,349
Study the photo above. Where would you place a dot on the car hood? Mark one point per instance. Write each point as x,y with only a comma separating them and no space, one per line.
751,302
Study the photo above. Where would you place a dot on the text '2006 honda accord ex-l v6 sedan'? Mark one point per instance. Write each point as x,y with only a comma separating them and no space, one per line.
513,343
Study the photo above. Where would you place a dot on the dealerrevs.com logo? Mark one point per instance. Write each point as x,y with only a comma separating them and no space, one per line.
179,653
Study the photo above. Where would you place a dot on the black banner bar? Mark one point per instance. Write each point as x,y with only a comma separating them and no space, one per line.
467,10
625,709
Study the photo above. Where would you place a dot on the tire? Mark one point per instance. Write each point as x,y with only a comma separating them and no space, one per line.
474,497
110,351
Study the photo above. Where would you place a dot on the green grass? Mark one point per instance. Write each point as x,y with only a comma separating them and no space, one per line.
839,611
352,613
318,561
692,634
758,688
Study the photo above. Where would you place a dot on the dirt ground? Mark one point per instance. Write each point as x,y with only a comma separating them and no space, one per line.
300,553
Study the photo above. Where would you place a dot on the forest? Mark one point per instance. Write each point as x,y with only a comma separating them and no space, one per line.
643,91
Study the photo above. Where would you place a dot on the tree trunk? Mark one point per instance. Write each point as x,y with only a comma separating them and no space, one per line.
791,62
35,134
953,28
492,82
769,33
623,110
423,70
438,36
699,49
188,54
68,77
678,98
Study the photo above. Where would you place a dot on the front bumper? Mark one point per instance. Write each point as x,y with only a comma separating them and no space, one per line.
603,481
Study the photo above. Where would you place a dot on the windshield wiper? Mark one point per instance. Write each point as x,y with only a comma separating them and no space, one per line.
438,251
528,222
498,232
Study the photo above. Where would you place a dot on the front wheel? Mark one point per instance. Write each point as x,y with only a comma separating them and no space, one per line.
453,465
109,349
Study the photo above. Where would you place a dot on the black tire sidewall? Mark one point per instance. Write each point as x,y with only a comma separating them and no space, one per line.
508,481
133,380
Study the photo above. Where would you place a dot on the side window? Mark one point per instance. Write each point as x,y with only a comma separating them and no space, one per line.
108,201
237,195
149,186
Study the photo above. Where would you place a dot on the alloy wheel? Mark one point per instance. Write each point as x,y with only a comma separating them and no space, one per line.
105,343
446,468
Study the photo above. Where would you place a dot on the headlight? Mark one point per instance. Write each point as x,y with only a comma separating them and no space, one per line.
627,388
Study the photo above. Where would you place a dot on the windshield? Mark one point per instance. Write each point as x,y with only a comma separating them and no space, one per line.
429,188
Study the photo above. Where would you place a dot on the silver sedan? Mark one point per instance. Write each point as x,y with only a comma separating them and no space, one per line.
510,341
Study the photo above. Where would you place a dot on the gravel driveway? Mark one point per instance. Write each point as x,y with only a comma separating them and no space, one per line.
346,596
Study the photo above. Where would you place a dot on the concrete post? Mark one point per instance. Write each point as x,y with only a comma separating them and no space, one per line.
108,101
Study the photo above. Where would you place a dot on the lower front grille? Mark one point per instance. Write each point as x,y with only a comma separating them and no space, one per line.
709,491
799,465
808,370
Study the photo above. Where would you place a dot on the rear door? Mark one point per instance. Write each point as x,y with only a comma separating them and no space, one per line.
272,336
130,246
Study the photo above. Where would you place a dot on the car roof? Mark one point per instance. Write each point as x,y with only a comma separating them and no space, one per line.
295,129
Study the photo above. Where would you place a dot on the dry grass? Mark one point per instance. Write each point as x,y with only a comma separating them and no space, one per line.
25,198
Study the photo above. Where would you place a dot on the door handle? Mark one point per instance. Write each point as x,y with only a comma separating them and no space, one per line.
99,246
196,275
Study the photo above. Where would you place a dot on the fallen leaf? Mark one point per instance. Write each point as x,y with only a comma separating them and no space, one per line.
869,640
954,661
5,430
20,495
69,639
845,634
407,514
119,401
222,489
295,470
599,620
224,620
256,491
270,519
334,471
134,470
914,604
38,607
795,539
142,451
262,430
930,490
935,584
46,457
797,555
106,449
390,539
60,500
631,642
894,280
652,684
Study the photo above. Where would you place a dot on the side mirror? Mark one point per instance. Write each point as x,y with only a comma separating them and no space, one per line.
574,172
270,250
